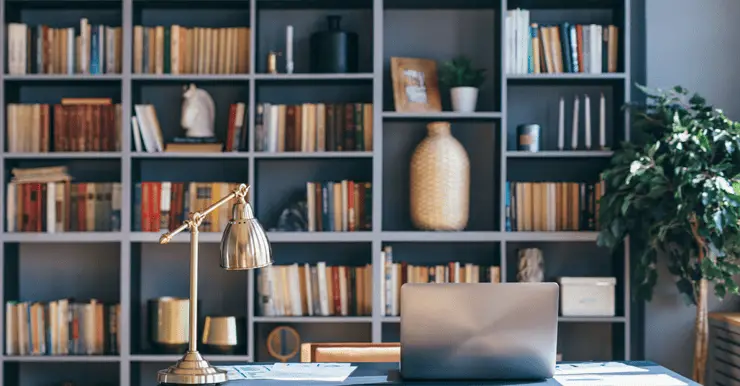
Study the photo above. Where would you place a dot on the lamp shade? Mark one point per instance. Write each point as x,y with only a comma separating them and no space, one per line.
244,244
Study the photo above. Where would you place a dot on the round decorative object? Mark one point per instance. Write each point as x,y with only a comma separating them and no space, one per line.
531,266
440,181
528,137
283,343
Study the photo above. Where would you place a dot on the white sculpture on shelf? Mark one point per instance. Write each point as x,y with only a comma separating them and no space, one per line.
198,113
531,266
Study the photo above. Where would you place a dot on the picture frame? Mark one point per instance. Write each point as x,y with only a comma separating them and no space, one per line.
415,85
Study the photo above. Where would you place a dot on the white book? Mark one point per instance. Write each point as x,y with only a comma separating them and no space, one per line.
311,203
272,291
595,43
11,328
110,50
309,298
323,292
296,290
270,128
343,290
509,49
586,49
11,208
525,36
145,127
136,132
51,207
394,291
84,46
102,47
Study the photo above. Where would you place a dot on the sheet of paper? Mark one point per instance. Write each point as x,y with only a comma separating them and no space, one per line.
335,372
596,368
618,380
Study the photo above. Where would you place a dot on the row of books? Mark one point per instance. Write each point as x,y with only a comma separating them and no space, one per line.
62,327
179,50
160,206
553,206
344,206
45,200
313,127
79,124
559,48
320,290
397,274
91,49
146,130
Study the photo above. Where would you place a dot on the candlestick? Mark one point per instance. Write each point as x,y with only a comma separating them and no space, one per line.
574,135
602,122
289,49
561,125
587,109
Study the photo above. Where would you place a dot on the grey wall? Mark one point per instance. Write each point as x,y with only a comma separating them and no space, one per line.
692,43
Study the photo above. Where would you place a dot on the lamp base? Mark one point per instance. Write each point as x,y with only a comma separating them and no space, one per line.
192,369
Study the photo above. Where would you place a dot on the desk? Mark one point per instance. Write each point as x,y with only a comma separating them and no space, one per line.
387,374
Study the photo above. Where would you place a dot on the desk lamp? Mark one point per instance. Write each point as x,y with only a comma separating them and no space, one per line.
244,245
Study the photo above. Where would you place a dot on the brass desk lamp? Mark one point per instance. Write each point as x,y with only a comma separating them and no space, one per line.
244,245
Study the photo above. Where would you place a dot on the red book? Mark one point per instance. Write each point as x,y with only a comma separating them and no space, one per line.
155,202
27,208
335,290
231,128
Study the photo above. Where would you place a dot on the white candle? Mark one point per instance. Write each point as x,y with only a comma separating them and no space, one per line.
289,49
602,122
574,135
561,125
587,111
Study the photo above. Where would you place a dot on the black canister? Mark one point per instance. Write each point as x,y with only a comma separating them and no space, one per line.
528,137
334,51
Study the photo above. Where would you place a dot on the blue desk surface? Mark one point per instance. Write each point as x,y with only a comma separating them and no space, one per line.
387,374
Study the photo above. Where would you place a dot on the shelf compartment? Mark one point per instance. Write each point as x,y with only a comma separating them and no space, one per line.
271,35
280,183
480,140
64,155
442,35
175,358
181,170
542,107
189,155
320,237
52,91
281,77
313,4
422,236
561,319
311,332
63,77
428,254
561,154
564,4
575,341
575,236
556,169
163,270
50,373
310,155
308,91
62,358
167,101
62,237
191,77
565,78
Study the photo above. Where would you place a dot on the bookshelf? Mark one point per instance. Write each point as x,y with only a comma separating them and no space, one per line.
130,267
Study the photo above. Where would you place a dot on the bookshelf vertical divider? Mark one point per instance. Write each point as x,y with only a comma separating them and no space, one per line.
131,244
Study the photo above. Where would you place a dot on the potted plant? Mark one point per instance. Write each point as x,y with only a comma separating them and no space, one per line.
463,81
676,195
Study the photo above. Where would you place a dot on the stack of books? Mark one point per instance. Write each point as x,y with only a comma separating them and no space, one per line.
559,48
79,124
344,206
44,200
314,127
96,49
553,206
396,274
62,327
320,290
180,50
160,206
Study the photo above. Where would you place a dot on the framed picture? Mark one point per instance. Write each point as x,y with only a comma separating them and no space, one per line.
415,86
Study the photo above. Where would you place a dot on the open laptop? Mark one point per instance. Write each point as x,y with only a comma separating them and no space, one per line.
479,331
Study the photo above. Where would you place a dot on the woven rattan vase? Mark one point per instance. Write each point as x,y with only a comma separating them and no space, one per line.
440,181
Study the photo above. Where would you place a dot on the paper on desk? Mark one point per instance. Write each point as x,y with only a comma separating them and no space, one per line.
619,380
596,368
336,372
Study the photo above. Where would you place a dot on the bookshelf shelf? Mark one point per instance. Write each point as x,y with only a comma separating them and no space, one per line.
313,319
442,115
328,154
387,29
317,77
62,77
551,236
64,237
62,358
65,155
561,154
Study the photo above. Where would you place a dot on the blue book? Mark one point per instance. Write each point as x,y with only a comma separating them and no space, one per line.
330,204
565,46
508,206
94,50
325,224
533,31
573,34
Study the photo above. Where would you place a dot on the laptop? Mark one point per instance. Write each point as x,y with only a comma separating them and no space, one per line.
479,331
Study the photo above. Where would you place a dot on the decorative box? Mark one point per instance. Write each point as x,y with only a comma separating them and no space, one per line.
587,296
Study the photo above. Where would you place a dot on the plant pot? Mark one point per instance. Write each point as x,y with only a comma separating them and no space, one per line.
464,99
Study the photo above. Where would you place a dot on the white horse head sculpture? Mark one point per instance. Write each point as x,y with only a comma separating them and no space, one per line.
198,113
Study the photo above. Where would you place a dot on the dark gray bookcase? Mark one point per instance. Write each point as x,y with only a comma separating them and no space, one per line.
130,267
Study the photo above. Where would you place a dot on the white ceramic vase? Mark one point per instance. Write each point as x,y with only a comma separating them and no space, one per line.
464,99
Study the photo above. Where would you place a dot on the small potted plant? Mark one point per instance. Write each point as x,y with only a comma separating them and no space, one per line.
463,81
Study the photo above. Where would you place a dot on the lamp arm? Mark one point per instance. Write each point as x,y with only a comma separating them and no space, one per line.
195,218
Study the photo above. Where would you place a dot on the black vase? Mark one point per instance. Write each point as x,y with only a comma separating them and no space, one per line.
334,50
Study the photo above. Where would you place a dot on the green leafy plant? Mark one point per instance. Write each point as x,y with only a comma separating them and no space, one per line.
459,72
676,196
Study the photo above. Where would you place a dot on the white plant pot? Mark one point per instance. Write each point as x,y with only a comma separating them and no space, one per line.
464,99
